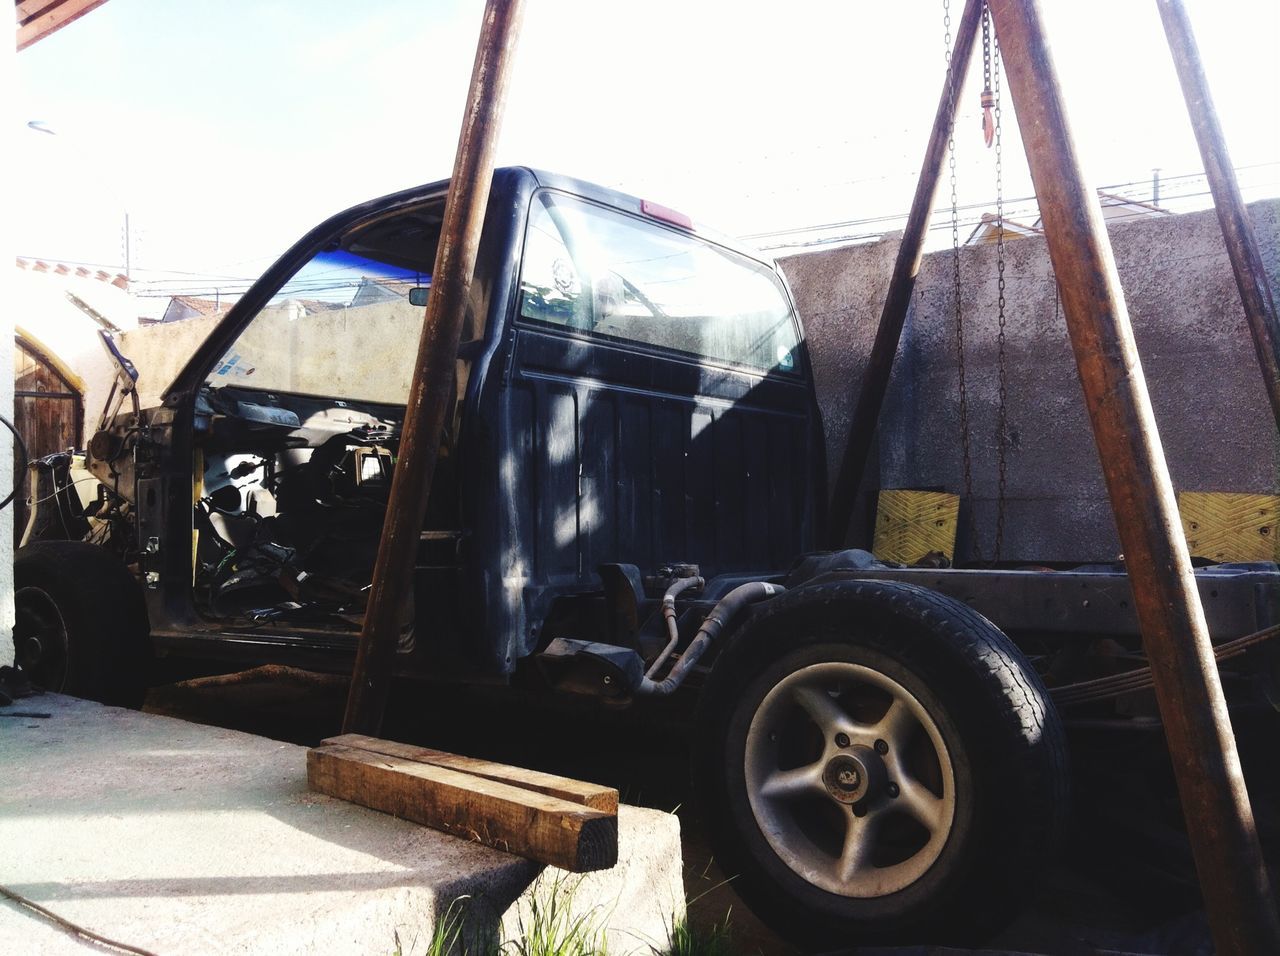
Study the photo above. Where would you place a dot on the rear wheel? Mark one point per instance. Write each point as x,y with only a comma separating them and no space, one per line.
878,762
80,623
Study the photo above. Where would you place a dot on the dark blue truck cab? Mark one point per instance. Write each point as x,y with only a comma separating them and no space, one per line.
625,505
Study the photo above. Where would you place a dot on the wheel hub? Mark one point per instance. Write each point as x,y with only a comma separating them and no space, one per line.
851,777
888,781
34,650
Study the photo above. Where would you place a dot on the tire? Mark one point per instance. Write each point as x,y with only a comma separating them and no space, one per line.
80,623
924,810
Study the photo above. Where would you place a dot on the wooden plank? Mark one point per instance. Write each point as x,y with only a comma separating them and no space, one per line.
590,795
54,19
512,819
26,9
1225,526
911,524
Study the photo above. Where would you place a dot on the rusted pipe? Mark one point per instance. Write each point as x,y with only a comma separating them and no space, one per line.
1220,823
433,378
875,378
1233,217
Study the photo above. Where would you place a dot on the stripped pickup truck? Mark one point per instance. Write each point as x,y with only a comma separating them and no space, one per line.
624,509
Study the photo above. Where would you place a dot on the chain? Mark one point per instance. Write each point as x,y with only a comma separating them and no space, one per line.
986,48
966,456
1002,415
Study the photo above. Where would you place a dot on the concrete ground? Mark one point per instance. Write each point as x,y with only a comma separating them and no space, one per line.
178,837
1125,884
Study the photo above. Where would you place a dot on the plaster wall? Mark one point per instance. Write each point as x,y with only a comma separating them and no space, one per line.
43,313
8,245
366,352
1196,352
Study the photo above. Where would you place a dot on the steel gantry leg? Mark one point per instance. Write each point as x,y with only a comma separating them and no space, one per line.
875,378
433,378
1219,819
1237,229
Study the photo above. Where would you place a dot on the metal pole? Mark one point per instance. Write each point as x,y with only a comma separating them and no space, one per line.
1219,819
875,378
1237,228
434,374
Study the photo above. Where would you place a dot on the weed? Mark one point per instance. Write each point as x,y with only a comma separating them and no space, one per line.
690,940
553,929
448,930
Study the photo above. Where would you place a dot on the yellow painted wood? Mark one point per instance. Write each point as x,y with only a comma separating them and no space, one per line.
910,524
1225,526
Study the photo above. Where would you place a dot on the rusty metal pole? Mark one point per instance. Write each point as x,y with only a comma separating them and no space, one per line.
433,378
1233,877
875,378
1237,228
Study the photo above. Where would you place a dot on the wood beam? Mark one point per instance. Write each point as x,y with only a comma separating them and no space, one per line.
590,795
39,18
499,815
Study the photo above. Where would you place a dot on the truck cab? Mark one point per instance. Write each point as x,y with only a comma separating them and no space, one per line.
626,498
628,390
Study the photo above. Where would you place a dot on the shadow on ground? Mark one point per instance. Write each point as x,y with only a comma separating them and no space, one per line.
1126,883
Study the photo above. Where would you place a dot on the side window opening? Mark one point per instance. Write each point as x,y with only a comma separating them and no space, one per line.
326,331
598,271
294,452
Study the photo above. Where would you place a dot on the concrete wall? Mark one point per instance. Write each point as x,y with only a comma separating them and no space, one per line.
8,250
46,317
1197,356
367,352
158,352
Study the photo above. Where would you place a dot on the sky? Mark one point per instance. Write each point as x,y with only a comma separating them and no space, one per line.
225,129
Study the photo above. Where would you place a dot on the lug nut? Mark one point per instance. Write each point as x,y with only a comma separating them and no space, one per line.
882,747
893,789
842,740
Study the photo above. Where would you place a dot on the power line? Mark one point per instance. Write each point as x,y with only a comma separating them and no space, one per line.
1028,205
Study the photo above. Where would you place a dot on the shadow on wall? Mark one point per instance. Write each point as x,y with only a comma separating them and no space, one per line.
1197,356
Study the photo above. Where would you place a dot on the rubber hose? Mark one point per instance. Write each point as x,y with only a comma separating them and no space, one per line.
22,447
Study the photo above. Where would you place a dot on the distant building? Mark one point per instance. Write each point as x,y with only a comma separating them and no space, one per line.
183,307
61,373
988,230
1115,208
383,290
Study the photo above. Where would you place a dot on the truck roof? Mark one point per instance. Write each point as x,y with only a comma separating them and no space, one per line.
580,187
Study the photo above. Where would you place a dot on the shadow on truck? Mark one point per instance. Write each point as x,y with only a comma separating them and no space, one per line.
624,509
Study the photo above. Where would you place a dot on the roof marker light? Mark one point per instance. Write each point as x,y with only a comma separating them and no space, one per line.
666,215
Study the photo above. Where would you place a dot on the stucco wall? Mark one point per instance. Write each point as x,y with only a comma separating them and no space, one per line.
45,316
8,250
1197,356
367,352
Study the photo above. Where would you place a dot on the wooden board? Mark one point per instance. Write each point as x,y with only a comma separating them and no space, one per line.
1225,526
524,822
593,796
911,524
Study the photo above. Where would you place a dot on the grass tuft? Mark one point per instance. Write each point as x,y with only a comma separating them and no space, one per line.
553,929
447,935
690,940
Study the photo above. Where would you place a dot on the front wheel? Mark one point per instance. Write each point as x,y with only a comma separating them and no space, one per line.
878,762
80,623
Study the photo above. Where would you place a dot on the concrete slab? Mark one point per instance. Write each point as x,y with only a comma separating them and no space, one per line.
178,837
